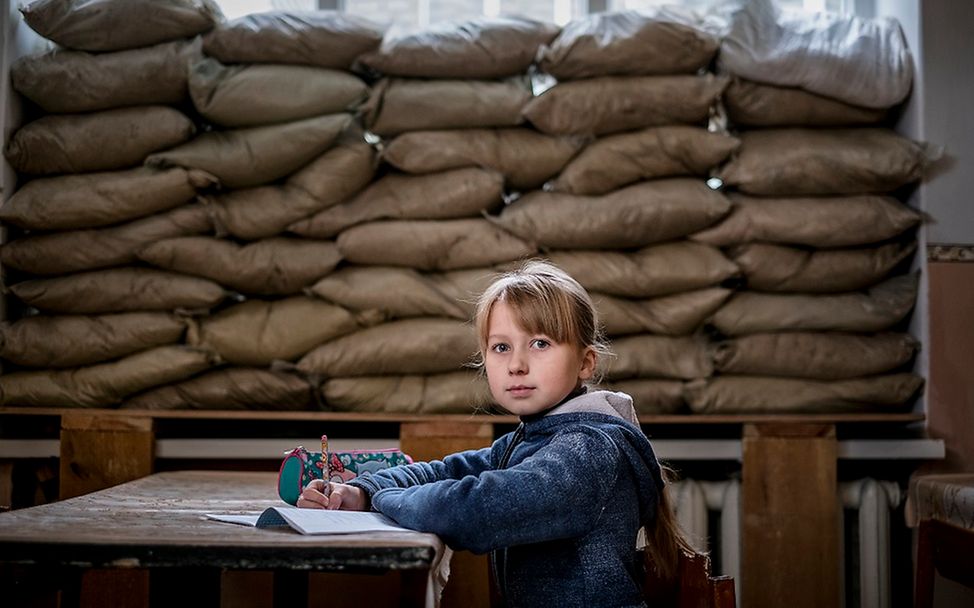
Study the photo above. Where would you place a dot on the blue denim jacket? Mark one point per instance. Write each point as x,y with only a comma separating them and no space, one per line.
560,515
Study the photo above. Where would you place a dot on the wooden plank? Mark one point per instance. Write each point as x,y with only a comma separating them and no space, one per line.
246,589
117,588
790,528
6,485
99,453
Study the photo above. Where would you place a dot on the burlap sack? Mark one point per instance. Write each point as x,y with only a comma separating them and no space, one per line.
751,104
629,43
431,245
397,105
114,25
652,397
618,160
654,271
481,48
119,290
410,346
754,394
648,356
77,250
255,155
635,216
250,95
675,315
100,141
447,195
462,392
75,81
70,340
327,39
875,310
258,332
840,221
98,199
610,104
777,268
339,173
234,388
823,356
794,162
106,384
274,266
526,158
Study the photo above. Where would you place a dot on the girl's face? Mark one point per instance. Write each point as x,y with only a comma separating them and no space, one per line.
529,373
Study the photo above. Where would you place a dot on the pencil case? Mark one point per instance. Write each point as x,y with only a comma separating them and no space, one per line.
300,466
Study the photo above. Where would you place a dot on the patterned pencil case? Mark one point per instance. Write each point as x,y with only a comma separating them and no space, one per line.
300,466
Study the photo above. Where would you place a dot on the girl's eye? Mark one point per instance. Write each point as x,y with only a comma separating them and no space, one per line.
541,343
499,348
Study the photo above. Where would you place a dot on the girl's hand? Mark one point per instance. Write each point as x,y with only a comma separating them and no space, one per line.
333,496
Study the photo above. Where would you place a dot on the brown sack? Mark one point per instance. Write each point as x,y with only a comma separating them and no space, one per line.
255,155
676,315
526,158
461,392
447,195
618,160
824,356
878,309
431,245
327,39
235,388
488,47
652,397
258,332
75,81
70,341
645,213
100,141
340,172
796,162
77,250
275,266
119,290
750,104
777,268
754,394
838,221
648,356
410,346
103,385
251,95
597,106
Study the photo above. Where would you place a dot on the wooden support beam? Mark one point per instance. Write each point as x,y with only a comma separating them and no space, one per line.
102,451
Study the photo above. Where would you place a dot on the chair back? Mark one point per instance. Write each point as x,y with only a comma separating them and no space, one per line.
694,587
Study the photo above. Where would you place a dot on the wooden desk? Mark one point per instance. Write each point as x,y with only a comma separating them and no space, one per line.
157,523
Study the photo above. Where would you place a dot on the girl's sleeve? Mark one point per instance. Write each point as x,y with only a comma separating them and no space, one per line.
454,466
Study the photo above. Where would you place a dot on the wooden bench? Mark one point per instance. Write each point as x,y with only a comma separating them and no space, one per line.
941,507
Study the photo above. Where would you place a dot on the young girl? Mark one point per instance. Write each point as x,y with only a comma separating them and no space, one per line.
559,502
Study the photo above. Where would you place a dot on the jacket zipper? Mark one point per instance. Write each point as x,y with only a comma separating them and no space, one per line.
500,575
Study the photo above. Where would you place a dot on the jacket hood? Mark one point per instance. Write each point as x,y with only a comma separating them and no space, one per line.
600,402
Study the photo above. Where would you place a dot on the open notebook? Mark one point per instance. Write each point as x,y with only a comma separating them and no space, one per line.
313,521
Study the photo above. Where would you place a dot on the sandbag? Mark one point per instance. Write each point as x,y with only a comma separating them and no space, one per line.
410,346
755,394
487,47
451,194
119,290
327,39
77,250
431,245
258,332
619,160
256,155
651,397
462,392
611,104
74,340
526,158
878,309
275,266
75,81
234,388
251,95
840,221
777,268
92,200
649,356
114,25
751,104
635,216
653,271
795,162
630,43
675,315
397,105
823,356
100,141
340,172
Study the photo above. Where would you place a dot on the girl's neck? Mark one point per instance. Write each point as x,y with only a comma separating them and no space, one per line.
579,390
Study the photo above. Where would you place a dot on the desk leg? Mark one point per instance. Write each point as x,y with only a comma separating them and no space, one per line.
102,451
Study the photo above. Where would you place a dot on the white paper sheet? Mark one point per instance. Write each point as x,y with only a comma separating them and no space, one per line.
313,521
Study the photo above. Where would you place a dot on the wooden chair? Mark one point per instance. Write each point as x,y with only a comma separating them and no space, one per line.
694,586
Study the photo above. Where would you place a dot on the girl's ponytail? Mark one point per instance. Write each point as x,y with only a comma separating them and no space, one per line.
665,539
